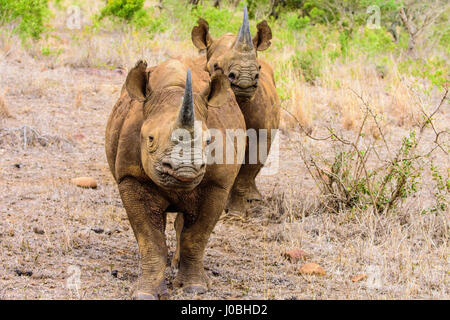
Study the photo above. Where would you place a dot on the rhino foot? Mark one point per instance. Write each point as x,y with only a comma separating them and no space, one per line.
252,194
241,200
144,292
236,203
192,283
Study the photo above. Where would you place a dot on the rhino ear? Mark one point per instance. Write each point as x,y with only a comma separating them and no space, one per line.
217,92
137,79
200,35
262,39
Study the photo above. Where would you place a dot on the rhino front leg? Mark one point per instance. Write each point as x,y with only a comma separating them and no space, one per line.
146,213
194,237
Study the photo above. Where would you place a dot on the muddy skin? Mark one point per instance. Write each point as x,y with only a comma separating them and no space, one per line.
253,84
139,137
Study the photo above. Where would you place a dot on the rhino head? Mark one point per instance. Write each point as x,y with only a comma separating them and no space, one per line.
235,55
174,135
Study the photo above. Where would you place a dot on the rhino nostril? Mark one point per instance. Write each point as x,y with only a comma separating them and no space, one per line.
167,164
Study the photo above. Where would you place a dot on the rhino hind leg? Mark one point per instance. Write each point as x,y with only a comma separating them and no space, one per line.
146,213
194,237
244,191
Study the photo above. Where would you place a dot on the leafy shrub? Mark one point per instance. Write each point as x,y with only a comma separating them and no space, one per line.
295,22
28,15
308,62
124,9
222,19
435,70
350,181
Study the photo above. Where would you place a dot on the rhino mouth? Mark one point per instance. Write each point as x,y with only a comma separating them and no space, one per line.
244,92
185,177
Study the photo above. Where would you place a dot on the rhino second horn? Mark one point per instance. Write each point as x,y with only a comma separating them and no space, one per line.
244,38
186,117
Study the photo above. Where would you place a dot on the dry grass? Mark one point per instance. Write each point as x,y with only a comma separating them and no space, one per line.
65,100
4,111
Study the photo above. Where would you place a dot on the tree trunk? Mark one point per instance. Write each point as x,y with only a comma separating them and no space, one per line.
411,28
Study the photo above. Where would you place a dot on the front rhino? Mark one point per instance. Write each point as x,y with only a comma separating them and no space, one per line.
140,136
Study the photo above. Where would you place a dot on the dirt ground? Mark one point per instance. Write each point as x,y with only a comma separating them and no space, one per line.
52,231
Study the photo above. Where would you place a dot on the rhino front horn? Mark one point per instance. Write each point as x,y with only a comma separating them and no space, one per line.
186,117
244,38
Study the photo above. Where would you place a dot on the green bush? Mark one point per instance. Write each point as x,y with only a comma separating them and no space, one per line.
28,15
221,20
124,9
308,62
295,22
435,69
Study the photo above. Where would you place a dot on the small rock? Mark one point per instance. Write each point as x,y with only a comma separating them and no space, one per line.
78,136
85,182
108,232
18,165
359,277
98,230
295,255
38,231
23,273
115,273
312,269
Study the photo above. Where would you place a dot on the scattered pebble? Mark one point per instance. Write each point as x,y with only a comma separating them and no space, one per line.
38,231
78,136
295,255
85,182
359,277
312,269
18,165
23,273
98,230
115,273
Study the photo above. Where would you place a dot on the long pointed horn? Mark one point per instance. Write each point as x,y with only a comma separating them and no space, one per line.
186,117
244,38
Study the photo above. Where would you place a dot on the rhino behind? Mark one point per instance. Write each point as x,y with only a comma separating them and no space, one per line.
252,81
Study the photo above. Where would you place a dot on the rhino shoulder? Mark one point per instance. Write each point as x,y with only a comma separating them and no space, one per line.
123,139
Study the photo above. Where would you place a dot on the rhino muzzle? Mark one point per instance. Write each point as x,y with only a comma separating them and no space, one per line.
187,170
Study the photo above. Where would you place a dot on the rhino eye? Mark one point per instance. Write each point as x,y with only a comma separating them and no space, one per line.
208,140
216,66
150,139
232,76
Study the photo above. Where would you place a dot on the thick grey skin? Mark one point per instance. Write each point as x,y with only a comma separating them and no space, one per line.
146,201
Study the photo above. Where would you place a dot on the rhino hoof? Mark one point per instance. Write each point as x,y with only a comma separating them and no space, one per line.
144,296
195,288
